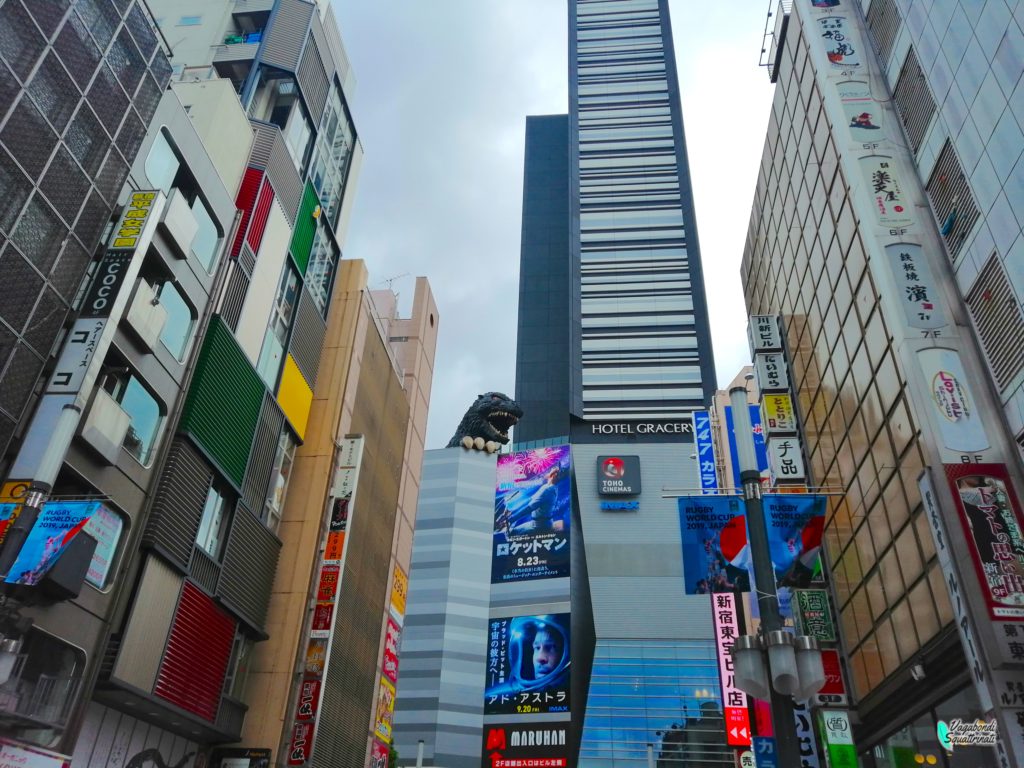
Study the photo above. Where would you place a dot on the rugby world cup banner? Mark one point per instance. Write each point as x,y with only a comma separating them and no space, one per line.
716,552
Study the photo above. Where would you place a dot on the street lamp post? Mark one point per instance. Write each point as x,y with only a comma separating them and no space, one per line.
782,654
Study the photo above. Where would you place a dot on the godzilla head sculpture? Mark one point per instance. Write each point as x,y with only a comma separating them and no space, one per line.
487,422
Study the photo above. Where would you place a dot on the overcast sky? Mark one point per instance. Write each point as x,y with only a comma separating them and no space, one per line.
443,91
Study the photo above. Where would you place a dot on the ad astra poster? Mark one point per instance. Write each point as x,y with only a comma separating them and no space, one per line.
527,665
531,515
716,555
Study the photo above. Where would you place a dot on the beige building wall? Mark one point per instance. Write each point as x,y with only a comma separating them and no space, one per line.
272,672
401,347
221,123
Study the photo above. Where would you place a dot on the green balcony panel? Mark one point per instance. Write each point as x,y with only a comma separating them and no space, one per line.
224,401
305,228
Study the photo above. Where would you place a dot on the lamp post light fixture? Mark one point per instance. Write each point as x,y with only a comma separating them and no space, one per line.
793,667
795,663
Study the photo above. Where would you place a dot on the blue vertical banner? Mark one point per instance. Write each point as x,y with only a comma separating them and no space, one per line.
705,451
764,752
759,447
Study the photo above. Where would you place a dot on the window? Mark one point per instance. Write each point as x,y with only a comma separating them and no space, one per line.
322,263
276,338
177,330
190,21
162,164
204,245
214,524
166,172
279,481
238,668
141,406
280,105
44,684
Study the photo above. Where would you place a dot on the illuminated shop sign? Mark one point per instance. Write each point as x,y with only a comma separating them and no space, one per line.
514,745
527,665
618,475
532,505
705,450
737,718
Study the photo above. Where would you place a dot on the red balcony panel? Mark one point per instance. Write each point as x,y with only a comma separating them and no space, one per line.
196,659
246,202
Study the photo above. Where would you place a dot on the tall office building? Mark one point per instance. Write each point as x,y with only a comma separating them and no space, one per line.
631,288
886,238
614,355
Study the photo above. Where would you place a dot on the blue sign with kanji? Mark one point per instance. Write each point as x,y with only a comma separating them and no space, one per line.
765,755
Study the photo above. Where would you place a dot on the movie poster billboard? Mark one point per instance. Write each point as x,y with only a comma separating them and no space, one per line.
532,506
527,665
520,745
716,554
58,523
991,520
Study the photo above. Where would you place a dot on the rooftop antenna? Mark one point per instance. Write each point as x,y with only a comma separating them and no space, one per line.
391,280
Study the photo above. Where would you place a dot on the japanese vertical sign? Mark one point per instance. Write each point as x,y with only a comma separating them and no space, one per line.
734,700
399,594
778,414
705,451
990,514
915,286
379,754
385,710
955,414
323,616
785,460
772,371
804,722
842,49
838,737
763,334
765,755
527,665
389,660
532,510
812,614
884,183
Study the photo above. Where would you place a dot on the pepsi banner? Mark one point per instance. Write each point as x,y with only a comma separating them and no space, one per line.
716,553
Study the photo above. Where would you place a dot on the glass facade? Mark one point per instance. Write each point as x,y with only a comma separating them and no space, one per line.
661,693
809,265
79,83
644,349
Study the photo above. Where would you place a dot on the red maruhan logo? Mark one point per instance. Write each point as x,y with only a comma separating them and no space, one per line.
614,468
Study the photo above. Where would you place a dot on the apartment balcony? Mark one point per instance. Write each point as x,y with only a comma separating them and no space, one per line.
252,14
233,60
